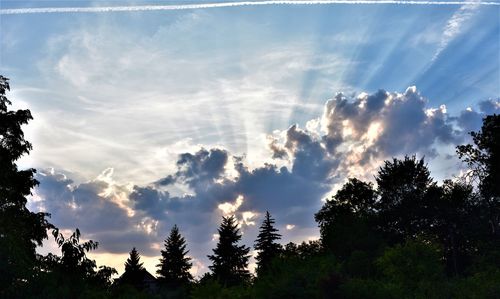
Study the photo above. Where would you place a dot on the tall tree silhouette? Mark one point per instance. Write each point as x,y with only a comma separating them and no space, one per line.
20,229
265,243
403,186
134,270
230,260
483,159
174,265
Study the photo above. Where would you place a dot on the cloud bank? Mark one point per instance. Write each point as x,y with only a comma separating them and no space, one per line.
351,138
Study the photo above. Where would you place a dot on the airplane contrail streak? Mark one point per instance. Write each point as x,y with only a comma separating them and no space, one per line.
42,10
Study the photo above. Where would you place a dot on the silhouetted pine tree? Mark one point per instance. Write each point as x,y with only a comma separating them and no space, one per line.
230,260
265,243
174,264
20,229
134,270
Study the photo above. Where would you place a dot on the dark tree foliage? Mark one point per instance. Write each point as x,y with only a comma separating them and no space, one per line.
72,274
483,160
355,197
346,220
174,264
402,187
134,270
266,244
74,260
133,264
230,260
20,229
454,221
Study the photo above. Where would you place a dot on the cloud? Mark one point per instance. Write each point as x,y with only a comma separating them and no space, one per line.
454,25
471,119
226,4
98,208
352,138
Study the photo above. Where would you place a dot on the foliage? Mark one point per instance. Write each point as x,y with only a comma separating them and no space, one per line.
134,270
402,189
301,276
174,264
230,260
20,229
266,245
483,161
346,221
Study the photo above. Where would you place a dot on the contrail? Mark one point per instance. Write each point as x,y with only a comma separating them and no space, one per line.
98,9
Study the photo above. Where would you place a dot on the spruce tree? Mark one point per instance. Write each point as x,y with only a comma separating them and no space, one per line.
265,243
230,260
20,229
134,270
174,264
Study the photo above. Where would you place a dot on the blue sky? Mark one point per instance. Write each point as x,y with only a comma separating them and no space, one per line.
147,119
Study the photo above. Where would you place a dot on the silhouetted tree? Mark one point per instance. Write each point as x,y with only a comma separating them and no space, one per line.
230,260
20,229
134,270
74,259
265,243
174,265
346,220
452,220
402,187
72,274
483,160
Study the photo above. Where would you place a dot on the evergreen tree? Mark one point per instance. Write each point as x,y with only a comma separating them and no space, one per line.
20,229
174,264
265,243
134,270
230,260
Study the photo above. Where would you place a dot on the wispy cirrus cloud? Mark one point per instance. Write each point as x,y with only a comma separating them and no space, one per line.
229,4
454,25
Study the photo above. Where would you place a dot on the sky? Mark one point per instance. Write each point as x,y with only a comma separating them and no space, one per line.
148,118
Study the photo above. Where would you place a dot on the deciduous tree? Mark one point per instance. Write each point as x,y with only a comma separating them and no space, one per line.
20,229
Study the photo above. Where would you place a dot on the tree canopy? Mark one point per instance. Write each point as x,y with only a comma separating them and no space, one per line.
20,229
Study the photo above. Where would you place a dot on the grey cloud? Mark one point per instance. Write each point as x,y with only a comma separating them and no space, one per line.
202,167
278,151
84,206
292,194
471,120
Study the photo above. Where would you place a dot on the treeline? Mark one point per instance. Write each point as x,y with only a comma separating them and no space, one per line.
404,237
